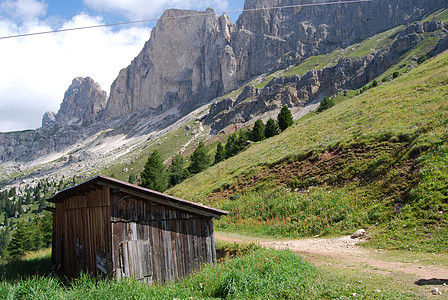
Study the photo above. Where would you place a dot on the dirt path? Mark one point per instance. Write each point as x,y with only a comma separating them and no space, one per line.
345,253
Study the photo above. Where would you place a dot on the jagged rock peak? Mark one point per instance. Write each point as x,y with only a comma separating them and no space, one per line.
83,101
186,62
48,118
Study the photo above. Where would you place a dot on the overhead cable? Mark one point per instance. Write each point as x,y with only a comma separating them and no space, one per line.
183,16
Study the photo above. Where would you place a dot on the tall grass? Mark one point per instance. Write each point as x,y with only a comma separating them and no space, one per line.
34,263
262,274
280,212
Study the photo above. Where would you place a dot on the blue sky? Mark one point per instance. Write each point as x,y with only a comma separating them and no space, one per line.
35,71
114,11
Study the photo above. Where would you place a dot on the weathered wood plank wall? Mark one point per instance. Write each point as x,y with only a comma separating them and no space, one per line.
178,242
82,228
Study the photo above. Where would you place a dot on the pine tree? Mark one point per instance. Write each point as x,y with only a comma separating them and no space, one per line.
18,241
231,147
243,137
284,118
178,171
31,236
220,153
132,178
258,131
154,175
28,197
12,192
271,128
199,159
42,205
4,239
37,197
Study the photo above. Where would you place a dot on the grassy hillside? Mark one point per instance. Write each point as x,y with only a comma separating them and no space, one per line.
378,160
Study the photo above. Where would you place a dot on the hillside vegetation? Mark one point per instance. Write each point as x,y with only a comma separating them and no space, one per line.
378,160
260,274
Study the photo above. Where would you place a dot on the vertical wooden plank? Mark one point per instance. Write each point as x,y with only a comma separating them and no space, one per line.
190,246
107,230
126,272
208,246
169,244
200,242
178,237
163,263
195,245
153,249
212,240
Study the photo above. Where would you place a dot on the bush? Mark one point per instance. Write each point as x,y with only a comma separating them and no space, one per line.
395,75
132,178
422,59
325,104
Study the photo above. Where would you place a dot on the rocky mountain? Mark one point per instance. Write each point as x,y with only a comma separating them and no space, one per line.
83,101
289,35
348,73
186,62
193,58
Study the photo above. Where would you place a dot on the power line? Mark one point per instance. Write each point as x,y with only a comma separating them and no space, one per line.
184,16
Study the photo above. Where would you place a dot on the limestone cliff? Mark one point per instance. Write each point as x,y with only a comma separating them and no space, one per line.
348,73
275,38
193,57
83,101
186,62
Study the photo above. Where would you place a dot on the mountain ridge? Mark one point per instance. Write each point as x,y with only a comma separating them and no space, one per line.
68,135
211,55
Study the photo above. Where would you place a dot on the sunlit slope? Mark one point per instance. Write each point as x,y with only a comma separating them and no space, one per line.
415,104
377,161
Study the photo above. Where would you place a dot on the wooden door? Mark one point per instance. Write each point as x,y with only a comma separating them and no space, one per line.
136,260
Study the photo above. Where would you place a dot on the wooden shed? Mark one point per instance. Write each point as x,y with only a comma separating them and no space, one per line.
115,229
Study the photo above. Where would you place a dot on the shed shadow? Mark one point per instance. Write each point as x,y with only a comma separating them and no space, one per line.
432,281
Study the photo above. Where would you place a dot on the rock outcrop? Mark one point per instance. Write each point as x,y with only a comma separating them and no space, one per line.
297,91
187,61
49,118
275,38
83,102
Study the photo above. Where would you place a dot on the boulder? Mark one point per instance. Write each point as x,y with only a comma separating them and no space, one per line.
359,233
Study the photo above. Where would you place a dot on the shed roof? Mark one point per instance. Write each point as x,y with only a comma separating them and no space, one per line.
154,196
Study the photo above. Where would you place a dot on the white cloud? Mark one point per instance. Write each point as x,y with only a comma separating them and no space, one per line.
23,10
35,71
139,9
